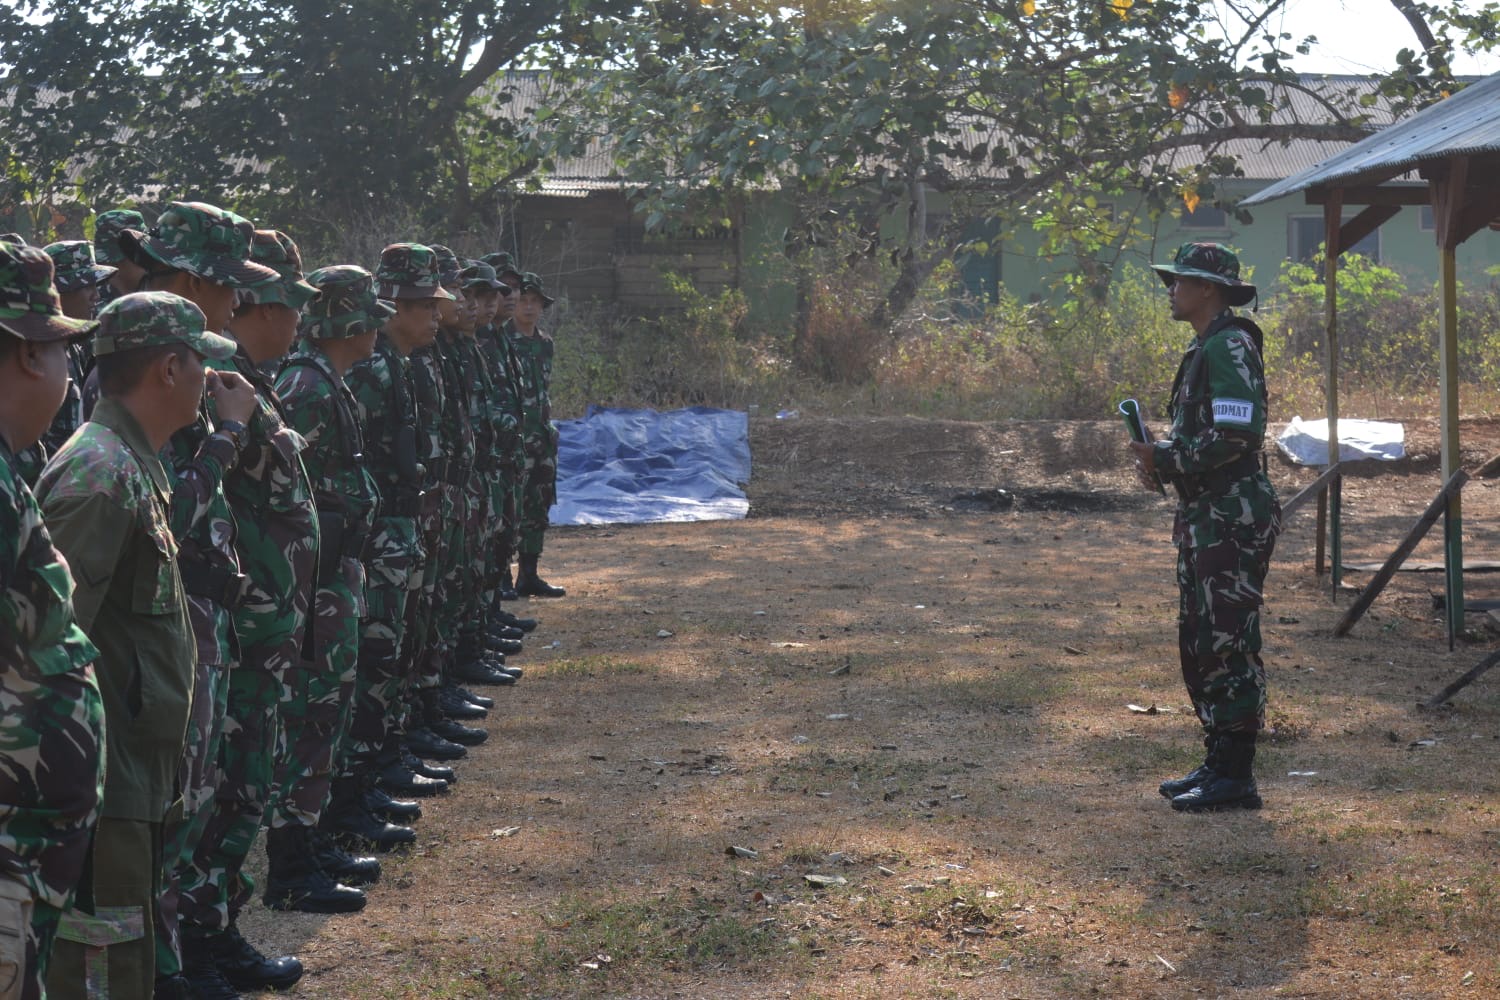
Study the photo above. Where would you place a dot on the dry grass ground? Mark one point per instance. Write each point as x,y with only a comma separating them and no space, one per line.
915,716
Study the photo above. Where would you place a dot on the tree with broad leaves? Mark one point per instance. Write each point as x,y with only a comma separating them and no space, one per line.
1028,108
308,112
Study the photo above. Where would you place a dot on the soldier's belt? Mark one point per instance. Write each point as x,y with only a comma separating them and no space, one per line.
403,505
1214,481
213,582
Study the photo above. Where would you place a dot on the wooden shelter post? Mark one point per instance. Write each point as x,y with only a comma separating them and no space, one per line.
1447,192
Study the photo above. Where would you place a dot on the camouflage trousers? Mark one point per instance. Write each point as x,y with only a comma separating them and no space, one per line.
1224,546
472,566
214,887
28,928
492,546
537,497
316,699
199,775
423,651
450,603
380,676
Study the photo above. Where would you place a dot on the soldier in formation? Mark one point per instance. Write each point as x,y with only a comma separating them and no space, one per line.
266,559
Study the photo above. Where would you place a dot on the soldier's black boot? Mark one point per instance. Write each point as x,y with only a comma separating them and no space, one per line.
350,869
432,715
422,768
477,700
530,584
396,776
1172,788
380,803
244,967
504,617
351,823
1232,785
204,979
294,880
456,706
507,585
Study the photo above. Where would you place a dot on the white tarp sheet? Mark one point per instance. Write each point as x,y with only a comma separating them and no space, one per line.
1306,441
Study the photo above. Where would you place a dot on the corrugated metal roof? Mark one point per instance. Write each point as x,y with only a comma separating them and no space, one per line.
1466,123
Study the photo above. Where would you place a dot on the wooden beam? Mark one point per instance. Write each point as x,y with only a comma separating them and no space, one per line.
1473,674
1379,580
1365,194
1365,223
1312,489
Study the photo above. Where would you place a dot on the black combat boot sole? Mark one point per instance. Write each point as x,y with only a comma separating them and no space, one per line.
308,903
1223,805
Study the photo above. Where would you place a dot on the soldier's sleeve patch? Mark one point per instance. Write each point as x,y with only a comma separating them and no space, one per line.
1234,411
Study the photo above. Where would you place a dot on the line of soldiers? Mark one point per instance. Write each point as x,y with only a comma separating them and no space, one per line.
247,568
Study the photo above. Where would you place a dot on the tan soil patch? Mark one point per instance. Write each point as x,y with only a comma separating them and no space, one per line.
871,679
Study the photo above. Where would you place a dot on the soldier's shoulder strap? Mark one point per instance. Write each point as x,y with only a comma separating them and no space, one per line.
349,432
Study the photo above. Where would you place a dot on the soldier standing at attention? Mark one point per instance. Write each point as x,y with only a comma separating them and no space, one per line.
387,409
338,331
52,729
1226,524
106,498
534,350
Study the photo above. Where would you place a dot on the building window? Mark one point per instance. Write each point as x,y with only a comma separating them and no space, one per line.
1426,221
1205,216
1305,239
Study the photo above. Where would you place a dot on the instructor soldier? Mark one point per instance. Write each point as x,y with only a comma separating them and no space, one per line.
1226,524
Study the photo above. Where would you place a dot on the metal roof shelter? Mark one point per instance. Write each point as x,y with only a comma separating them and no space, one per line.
1454,147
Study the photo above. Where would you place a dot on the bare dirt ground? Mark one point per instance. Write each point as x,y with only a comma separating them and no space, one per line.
903,687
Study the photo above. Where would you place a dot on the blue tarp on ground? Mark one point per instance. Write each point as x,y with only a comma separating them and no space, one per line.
639,466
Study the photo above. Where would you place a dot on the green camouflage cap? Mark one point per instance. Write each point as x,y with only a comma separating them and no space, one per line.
276,250
201,239
504,262
409,271
480,274
532,282
75,266
29,304
146,319
346,305
448,264
1209,262
108,226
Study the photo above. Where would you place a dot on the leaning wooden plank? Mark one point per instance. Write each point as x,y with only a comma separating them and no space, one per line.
1424,524
1426,566
1309,491
1474,673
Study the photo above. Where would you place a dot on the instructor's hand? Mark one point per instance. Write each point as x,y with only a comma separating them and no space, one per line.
1145,465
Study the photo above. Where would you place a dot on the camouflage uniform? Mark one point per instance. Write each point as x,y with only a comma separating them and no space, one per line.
538,435
51,711
106,498
1227,517
215,245
320,406
276,541
386,401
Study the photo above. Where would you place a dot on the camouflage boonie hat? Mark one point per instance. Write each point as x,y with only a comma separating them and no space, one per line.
504,262
480,274
201,239
146,319
448,265
532,282
29,304
274,249
1209,262
346,305
75,267
108,227
409,271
